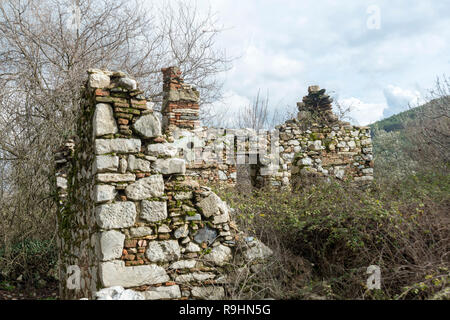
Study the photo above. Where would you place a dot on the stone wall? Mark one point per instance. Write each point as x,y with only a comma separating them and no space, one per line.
128,215
316,143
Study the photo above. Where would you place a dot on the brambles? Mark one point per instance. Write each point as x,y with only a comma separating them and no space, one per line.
401,226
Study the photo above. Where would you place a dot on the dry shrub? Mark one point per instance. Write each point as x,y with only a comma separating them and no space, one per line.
401,226
283,276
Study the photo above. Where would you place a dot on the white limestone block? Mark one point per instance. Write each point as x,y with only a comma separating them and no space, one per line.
111,245
219,255
170,166
162,149
162,292
103,120
163,251
153,211
115,177
148,126
120,145
98,80
116,215
105,163
114,273
147,187
103,193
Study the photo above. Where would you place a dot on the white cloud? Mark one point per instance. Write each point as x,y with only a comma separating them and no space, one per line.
399,99
363,113
270,64
228,109
285,46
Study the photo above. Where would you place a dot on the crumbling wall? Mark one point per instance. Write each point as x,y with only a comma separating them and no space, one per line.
180,108
211,154
316,143
128,215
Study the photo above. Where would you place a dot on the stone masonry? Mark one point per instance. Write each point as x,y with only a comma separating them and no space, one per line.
131,223
180,107
316,143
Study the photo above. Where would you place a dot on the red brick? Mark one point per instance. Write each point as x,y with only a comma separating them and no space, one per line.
130,257
123,121
101,92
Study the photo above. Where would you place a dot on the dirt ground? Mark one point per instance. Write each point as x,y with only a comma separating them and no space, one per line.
49,292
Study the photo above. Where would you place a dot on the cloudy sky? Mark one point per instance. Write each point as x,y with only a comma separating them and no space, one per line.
377,66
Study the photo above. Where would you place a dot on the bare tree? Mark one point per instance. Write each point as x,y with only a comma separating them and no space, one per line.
260,114
256,115
434,123
343,110
44,53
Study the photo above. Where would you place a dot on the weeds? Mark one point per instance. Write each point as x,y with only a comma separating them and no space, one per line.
339,230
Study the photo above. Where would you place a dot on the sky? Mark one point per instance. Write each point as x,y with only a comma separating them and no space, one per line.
377,57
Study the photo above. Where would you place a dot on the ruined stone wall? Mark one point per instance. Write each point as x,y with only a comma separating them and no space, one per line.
316,144
132,209
180,108
128,215
341,151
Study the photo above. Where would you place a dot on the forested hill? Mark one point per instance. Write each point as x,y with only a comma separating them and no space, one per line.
396,122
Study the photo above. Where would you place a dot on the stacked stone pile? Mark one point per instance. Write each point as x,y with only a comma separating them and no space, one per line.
131,218
62,165
117,95
316,104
